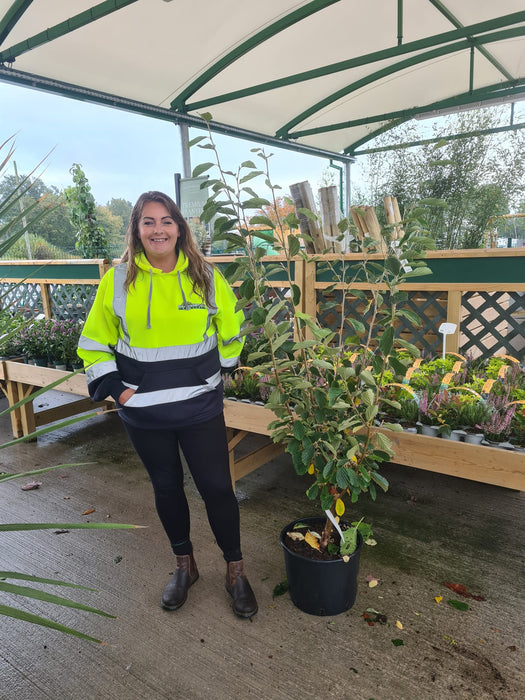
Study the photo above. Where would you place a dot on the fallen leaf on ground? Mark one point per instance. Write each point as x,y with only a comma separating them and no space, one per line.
371,616
438,599
31,485
513,647
372,581
280,588
460,589
371,542
397,642
88,511
399,625
61,532
458,605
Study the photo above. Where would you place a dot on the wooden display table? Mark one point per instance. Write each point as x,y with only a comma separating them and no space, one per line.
488,465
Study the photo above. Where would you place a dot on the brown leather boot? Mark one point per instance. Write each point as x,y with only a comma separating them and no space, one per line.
185,574
244,603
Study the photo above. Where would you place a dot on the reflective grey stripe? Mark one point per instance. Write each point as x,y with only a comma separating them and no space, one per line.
130,386
212,306
152,398
232,340
88,344
229,361
172,352
119,298
100,369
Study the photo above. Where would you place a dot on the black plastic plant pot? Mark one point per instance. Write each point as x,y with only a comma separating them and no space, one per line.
320,587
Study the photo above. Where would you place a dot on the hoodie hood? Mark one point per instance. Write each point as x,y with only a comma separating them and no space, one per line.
144,264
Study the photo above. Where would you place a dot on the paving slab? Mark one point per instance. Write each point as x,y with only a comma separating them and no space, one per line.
430,530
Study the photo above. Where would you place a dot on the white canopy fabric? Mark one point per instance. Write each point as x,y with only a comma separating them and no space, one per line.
321,75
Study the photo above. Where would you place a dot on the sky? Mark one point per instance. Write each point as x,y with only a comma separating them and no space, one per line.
122,154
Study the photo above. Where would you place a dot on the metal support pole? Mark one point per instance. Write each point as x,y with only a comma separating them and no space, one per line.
348,188
186,158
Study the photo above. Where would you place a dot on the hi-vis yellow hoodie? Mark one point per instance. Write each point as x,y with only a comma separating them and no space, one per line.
161,339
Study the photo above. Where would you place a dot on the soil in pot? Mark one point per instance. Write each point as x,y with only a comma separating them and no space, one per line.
319,583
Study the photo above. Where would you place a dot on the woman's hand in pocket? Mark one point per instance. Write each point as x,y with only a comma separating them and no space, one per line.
125,396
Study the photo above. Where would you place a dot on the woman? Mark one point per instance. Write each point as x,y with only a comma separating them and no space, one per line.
162,326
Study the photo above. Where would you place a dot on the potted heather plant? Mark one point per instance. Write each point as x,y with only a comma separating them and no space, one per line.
324,389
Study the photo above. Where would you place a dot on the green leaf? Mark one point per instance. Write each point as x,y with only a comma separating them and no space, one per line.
280,589
380,480
12,527
206,116
196,140
296,294
312,492
458,605
298,430
398,642
37,579
294,245
199,169
306,212
8,611
263,221
386,341
255,203
349,542
37,594
248,164
418,272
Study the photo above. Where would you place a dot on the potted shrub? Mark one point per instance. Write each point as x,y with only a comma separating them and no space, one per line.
64,336
34,339
325,388
473,412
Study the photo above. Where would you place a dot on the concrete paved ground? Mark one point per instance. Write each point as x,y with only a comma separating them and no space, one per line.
430,529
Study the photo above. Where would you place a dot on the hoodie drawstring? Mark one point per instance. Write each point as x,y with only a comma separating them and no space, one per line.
148,315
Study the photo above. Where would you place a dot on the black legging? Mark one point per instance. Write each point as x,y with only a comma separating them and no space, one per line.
205,449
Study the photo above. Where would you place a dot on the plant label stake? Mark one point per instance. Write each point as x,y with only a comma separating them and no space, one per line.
446,329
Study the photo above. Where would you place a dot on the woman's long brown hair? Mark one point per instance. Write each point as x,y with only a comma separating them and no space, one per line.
199,269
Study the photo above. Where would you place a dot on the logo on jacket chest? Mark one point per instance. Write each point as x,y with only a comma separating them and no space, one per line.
189,307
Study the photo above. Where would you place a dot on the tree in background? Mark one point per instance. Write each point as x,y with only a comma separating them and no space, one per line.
54,228
91,240
476,177
121,207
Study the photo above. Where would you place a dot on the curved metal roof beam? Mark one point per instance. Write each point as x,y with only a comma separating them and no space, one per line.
179,103
11,17
66,27
351,150
283,132
498,90
455,21
375,56
439,139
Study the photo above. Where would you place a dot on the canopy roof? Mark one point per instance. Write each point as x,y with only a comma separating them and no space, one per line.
321,76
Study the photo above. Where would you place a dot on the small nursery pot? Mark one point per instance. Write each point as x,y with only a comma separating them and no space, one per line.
320,587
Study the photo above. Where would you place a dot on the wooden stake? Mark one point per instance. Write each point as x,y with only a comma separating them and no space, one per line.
330,216
303,198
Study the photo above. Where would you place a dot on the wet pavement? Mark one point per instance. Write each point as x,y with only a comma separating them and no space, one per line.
430,530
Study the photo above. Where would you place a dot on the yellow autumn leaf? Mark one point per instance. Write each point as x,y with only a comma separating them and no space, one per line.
312,540
339,507
399,625
373,583
311,468
438,598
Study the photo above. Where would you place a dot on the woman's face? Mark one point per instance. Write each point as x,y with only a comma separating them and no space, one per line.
158,233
